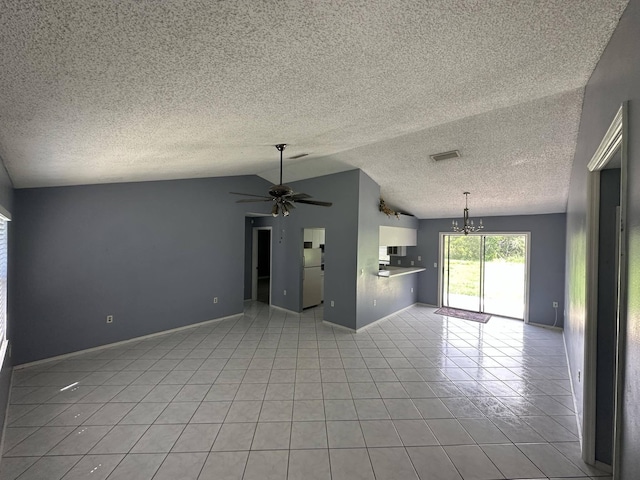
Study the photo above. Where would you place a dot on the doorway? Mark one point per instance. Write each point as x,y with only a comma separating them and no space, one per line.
607,310
485,273
605,322
261,265
313,246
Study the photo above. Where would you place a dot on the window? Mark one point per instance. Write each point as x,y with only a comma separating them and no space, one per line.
4,223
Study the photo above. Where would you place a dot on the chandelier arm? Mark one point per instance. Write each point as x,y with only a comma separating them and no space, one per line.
467,224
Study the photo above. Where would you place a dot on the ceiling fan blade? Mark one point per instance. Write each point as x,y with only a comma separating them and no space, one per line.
251,200
296,197
315,202
249,195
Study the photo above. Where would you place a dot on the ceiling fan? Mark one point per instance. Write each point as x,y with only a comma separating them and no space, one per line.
282,196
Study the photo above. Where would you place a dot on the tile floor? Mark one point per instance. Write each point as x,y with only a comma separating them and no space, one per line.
273,395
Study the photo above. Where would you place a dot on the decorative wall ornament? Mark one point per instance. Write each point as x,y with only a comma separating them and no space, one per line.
386,210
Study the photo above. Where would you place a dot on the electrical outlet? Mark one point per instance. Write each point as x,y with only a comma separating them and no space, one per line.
398,261
411,289
555,304
412,263
435,265
215,299
579,375
374,303
285,293
109,318
419,258
332,303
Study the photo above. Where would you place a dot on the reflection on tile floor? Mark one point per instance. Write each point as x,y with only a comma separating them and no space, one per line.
273,395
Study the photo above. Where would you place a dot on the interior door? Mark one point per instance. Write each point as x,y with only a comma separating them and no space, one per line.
485,273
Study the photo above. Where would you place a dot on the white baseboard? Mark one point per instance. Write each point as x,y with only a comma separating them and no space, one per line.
573,392
604,467
339,327
550,327
122,342
285,309
361,329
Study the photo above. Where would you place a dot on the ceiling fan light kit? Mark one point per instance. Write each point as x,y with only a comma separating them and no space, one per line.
467,224
282,196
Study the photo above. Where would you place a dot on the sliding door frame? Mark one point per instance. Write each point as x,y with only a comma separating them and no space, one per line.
527,264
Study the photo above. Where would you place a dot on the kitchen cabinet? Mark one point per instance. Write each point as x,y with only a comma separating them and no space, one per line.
308,235
398,236
315,236
318,237
397,251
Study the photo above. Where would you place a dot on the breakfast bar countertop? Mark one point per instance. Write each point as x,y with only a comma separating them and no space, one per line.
397,271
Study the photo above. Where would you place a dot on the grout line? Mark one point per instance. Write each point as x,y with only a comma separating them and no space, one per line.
307,330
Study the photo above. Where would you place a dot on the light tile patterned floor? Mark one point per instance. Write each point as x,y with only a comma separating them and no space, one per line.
273,395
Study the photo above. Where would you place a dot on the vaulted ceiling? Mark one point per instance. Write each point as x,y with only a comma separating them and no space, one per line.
99,92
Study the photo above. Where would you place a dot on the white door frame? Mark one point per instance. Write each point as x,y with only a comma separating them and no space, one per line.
526,264
613,141
254,262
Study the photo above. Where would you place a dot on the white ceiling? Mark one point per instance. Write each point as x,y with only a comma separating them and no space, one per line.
98,92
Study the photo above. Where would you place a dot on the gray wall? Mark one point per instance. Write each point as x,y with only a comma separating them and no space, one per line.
152,254
6,201
390,294
546,281
615,79
351,251
340,222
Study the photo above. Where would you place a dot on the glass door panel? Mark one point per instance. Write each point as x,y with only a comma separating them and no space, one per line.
485,273
462,272
505,275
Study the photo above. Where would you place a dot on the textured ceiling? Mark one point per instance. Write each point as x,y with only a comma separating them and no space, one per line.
97,92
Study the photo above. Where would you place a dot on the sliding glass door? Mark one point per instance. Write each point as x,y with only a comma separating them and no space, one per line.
485,273
462,272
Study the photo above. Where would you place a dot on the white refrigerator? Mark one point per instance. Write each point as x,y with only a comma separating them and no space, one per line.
311,277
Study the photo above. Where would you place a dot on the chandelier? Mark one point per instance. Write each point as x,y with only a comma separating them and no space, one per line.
467,226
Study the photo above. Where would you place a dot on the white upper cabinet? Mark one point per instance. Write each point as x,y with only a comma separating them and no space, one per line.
308,234
318,237
315,236
398,236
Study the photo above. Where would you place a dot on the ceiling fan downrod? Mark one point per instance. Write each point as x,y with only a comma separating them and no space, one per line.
280,147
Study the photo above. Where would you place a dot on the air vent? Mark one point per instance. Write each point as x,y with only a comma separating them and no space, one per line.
446,155
300,155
